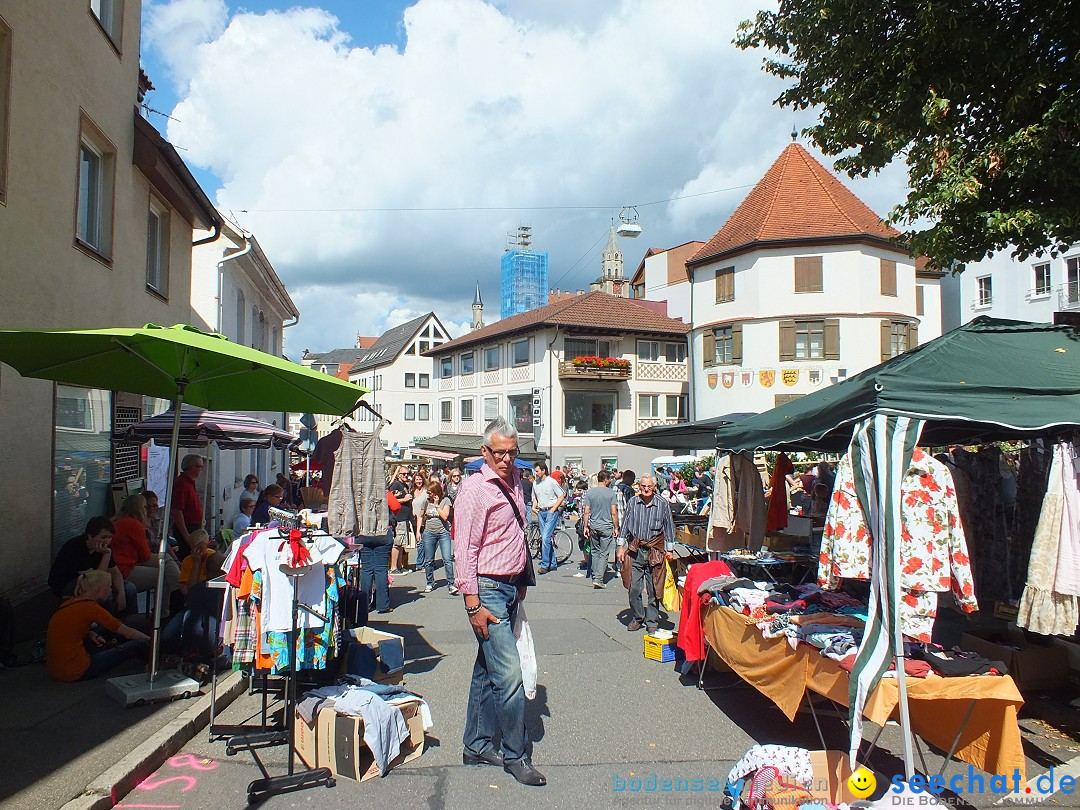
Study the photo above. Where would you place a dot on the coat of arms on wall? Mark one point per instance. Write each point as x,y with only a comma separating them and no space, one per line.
789,376
746,379
767,377
813,376
712,380
728,379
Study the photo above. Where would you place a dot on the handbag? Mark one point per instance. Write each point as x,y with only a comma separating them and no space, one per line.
392,501
528,575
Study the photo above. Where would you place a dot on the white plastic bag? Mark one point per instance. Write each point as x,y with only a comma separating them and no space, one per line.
526,652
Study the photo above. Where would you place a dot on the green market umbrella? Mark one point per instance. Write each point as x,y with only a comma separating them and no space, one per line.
697,435
989,380
179,363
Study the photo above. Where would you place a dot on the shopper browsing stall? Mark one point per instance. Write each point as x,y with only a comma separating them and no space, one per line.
645,544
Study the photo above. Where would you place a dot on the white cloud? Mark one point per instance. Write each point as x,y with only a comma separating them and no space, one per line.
539,107
177,28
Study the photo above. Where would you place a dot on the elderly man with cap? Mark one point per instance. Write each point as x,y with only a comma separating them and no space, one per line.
645,542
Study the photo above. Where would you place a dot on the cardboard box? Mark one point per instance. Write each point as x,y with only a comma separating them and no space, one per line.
779,542
831,772
340,743
691,536
660,649
304,739
1031,667
375,655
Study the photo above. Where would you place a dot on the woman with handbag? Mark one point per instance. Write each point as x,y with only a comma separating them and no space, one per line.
435,531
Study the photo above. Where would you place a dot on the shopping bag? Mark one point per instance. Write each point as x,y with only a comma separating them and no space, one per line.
526,652
672,601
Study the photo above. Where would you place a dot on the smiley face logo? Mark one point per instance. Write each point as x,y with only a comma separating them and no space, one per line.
862,783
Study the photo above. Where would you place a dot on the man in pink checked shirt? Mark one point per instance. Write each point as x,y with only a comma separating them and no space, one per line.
490,556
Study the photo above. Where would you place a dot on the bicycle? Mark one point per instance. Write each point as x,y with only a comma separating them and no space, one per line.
562,541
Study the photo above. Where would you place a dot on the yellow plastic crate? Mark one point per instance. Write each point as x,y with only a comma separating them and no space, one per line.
660,649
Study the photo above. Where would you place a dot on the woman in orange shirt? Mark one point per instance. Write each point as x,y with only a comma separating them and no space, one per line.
131,551
72,632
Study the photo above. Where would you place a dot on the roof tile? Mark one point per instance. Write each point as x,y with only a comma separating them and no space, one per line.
798,198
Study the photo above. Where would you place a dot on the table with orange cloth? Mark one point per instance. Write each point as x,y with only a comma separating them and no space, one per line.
990,740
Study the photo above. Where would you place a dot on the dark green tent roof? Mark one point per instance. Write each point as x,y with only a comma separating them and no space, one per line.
696,435
989,380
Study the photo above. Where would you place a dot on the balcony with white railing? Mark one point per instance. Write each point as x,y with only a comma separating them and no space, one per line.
1069,296
643,424
446,383
651,371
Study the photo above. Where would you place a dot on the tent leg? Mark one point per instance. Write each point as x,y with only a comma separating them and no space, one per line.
956,739
159,596
817,724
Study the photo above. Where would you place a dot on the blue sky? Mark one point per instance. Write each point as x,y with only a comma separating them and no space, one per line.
381,151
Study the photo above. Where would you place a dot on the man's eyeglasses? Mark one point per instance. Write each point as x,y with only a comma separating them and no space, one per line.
501,454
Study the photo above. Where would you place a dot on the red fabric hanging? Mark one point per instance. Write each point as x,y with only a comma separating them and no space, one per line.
691,634
778,502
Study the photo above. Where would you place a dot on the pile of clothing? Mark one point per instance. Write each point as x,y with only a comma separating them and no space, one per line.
775,777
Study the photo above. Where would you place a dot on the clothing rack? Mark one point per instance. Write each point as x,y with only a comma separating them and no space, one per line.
267,785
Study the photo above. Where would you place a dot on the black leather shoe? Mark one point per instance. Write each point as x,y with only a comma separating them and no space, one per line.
524,772
489,757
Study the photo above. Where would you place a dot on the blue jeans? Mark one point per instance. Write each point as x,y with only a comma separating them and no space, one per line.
497,695
548,520
446,548
104,660
375,566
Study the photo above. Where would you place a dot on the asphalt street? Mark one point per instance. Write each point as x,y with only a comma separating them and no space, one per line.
603,715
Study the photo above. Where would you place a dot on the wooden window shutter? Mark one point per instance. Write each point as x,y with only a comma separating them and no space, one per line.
886,340
725,284
787,340
808,274
736,344
832,338
920,305
708,348
888,277
912,336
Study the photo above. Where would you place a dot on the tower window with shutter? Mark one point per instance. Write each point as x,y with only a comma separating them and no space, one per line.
808,277
725,284
723,346
808,339
888,277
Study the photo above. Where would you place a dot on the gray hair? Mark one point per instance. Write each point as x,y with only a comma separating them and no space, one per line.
499,427
189,461
647,477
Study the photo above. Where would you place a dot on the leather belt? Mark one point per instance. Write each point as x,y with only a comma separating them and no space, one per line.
506,579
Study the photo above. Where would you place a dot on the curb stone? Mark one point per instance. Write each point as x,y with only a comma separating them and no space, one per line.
114,784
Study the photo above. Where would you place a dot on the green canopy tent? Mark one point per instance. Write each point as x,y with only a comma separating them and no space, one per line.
696,435
184,365
989,380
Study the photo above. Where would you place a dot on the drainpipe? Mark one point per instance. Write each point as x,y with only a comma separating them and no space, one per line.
246,249
551,397
691,368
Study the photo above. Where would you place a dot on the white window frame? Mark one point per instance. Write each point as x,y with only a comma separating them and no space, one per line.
446,410
471,362
614,401
725,345
513,353
109,14
157,247
491,408
681,403
464,405
648,351
1041,290
423,412
984,293
410,411
648,406
804,339
410,379
96,177
423,380
679,353
488,365
446,368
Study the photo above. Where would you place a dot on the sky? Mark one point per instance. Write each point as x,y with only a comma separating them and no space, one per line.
381,150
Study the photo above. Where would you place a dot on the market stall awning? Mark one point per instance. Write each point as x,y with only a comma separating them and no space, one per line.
229,430
697,435
989,380
438,455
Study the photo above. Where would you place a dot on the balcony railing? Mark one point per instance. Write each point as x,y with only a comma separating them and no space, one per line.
1069,296
662,371
642,424
568,371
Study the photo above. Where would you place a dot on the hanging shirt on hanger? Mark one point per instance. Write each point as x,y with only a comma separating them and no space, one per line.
933,549
262,554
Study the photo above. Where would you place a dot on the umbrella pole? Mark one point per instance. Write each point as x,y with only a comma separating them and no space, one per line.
159,594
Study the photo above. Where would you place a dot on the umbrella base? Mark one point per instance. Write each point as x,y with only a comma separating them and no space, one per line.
136,690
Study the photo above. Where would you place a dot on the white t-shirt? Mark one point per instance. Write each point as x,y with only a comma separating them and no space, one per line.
277,587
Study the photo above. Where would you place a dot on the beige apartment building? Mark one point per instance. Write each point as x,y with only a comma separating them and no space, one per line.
96,219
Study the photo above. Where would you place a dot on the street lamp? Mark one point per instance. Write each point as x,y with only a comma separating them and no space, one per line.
628,223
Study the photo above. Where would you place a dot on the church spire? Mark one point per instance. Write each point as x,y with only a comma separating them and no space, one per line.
477,309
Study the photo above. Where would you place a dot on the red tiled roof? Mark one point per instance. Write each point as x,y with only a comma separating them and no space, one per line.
798,198
593,310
